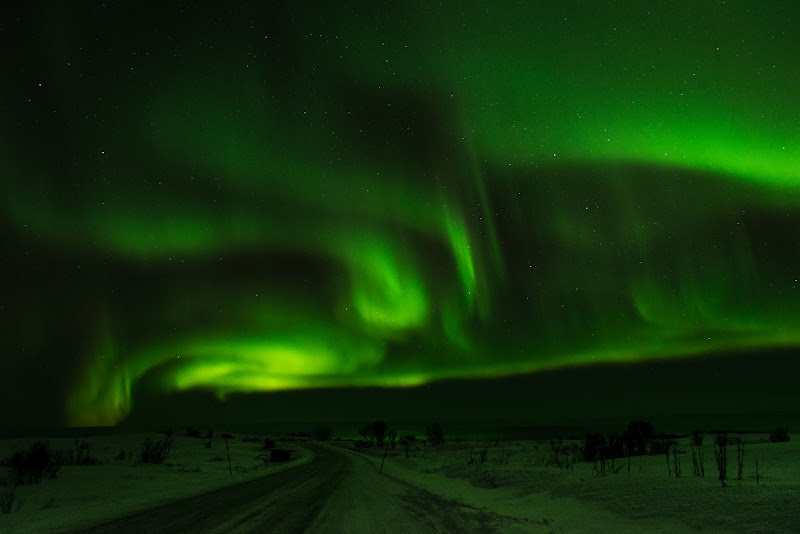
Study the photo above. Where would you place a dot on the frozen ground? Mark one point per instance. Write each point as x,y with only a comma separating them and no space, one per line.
516,489
525,493
88,494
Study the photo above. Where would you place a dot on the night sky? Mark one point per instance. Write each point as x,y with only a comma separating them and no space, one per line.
212,200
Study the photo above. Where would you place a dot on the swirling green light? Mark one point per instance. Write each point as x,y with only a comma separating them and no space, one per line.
541,187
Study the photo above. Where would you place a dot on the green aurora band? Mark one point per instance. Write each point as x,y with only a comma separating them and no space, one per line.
391,203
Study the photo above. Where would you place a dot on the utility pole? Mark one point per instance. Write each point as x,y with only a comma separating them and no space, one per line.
226,436
385,450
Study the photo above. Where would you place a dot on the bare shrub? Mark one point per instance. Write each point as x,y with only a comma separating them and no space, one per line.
669,467
434,434
676,467
698,467
156,451
659,446
30,466
408,444
374,433
574,450
7,497
615,469
739,458
637,435
593,445
83,454
780,435
721,455
556,456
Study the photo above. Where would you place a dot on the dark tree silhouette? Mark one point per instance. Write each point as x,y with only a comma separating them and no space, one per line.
638,434
434,433
408,443
379,429
374,433
780,435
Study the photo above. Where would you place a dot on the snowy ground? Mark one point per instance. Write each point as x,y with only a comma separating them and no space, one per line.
87,494
516,482
517,486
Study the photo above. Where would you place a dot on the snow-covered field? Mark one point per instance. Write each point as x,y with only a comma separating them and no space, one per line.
518,483
82,495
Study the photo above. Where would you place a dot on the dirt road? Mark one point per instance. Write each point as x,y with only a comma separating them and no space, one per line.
339,491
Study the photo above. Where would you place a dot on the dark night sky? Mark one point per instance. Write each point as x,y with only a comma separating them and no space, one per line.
214,202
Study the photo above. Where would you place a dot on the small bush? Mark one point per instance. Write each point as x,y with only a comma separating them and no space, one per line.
83,454
698,467
28,467
192,432
408,443
153,451
659,446
156,451
780,435
615,446
697,438
7,497
64,457
676,467
593,445
637,435
434,433
739,458
558,454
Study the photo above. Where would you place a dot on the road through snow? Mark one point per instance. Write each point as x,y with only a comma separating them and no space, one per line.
339,491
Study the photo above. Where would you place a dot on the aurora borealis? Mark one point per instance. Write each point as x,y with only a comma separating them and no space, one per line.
261,198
